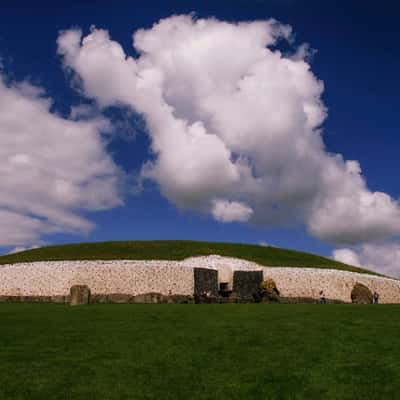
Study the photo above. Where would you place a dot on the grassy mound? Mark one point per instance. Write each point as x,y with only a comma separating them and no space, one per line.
176,250
208,352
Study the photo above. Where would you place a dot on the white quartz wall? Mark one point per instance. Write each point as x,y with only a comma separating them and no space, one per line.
337,285
102,277
176,277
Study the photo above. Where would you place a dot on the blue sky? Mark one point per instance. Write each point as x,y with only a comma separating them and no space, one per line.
356,57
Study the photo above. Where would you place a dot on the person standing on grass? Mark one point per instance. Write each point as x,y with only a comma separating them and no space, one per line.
375,298
322,299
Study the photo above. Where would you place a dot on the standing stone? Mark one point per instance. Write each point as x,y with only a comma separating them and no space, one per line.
205,285
246,284
361,294
80,294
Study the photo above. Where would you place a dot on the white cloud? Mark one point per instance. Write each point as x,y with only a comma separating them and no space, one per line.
51,168
82,111
19,249
380,257
230,211
230,117
346,256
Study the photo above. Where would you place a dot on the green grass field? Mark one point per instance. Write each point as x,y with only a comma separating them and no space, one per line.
248,351
176,250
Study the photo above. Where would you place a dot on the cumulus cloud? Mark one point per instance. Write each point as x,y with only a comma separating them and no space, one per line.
235,124
230,211
51,168
347,256
380,257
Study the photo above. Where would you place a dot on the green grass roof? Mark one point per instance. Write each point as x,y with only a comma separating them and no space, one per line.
176,250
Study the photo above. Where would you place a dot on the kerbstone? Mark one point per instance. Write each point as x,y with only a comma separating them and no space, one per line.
80,294
361,294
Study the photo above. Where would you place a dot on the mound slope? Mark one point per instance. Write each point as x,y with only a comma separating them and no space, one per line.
177,250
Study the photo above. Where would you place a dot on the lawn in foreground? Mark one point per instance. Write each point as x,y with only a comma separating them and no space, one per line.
248,351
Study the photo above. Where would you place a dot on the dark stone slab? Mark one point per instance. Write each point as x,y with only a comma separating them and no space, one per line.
205,283
246,284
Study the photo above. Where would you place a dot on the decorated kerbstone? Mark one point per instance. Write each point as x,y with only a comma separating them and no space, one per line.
361,294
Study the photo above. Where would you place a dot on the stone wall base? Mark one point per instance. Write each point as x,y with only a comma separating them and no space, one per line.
307,300
147,298
117,298
34,299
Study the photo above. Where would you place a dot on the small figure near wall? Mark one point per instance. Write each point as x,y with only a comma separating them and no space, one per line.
322,299
375,298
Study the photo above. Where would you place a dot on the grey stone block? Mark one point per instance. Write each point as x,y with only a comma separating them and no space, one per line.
246,284
80,294
205,282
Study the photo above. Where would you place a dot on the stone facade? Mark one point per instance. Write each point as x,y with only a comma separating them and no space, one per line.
174,281
337,285
102,277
